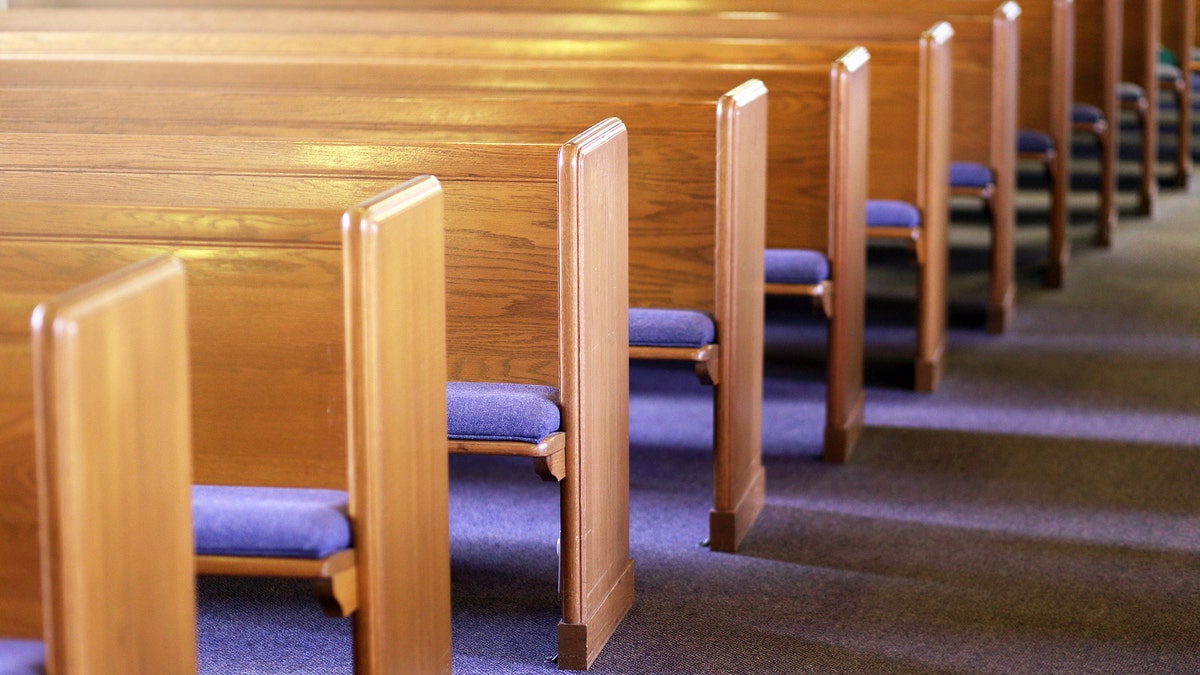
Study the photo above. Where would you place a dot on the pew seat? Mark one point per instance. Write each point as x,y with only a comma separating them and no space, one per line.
896,220
238,520
22,657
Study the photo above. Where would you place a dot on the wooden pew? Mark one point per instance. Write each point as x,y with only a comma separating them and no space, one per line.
95,452
278,234
1097,74
1179,36
696,236
801,192
1142,28
679,51
410,605
918,147
910,136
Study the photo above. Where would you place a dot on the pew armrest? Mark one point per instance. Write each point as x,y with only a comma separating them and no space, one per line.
821,294
335,577
706,358
549,455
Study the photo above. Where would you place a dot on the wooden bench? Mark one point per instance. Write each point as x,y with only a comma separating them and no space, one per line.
1001,160
801,198
277,234
696,238
396,454
660,49
95,454
899,155
910,137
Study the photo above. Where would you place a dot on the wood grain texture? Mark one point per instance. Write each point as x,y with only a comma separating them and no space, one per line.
1098,47
741,211
484,225
114,463
31,274
395,308
672,197
848,137
1178,27
995,150
1140,37
597,572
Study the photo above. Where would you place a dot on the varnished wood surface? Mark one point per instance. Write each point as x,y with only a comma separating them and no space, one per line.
1139,58
1179,35
678,212
848,136
30,276
995,150
531,232
597,572
114,462
395,309
1098,28
150,610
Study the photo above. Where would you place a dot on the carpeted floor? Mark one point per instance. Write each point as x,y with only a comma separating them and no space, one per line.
1039,514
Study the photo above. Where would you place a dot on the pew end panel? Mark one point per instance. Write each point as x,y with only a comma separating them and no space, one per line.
33,272
594,245
123,420
739,480
849,130
395,309
933,195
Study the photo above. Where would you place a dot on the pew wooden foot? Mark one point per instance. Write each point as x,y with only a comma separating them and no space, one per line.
1183,176
1105,230
726,529
580,643
1055,275
999,315
1146,204
841,439
929,372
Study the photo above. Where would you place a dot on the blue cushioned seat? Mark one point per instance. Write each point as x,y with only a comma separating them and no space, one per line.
796,266
1130,92
970,175
1086,113
500,411
892,213
670,327
269,521
22,657
1034,142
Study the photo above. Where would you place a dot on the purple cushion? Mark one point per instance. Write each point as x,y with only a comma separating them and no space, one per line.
22,657
1086,113
796,266
269,521
1130,91
970,174
670,327
892,213
499,411
1034,142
